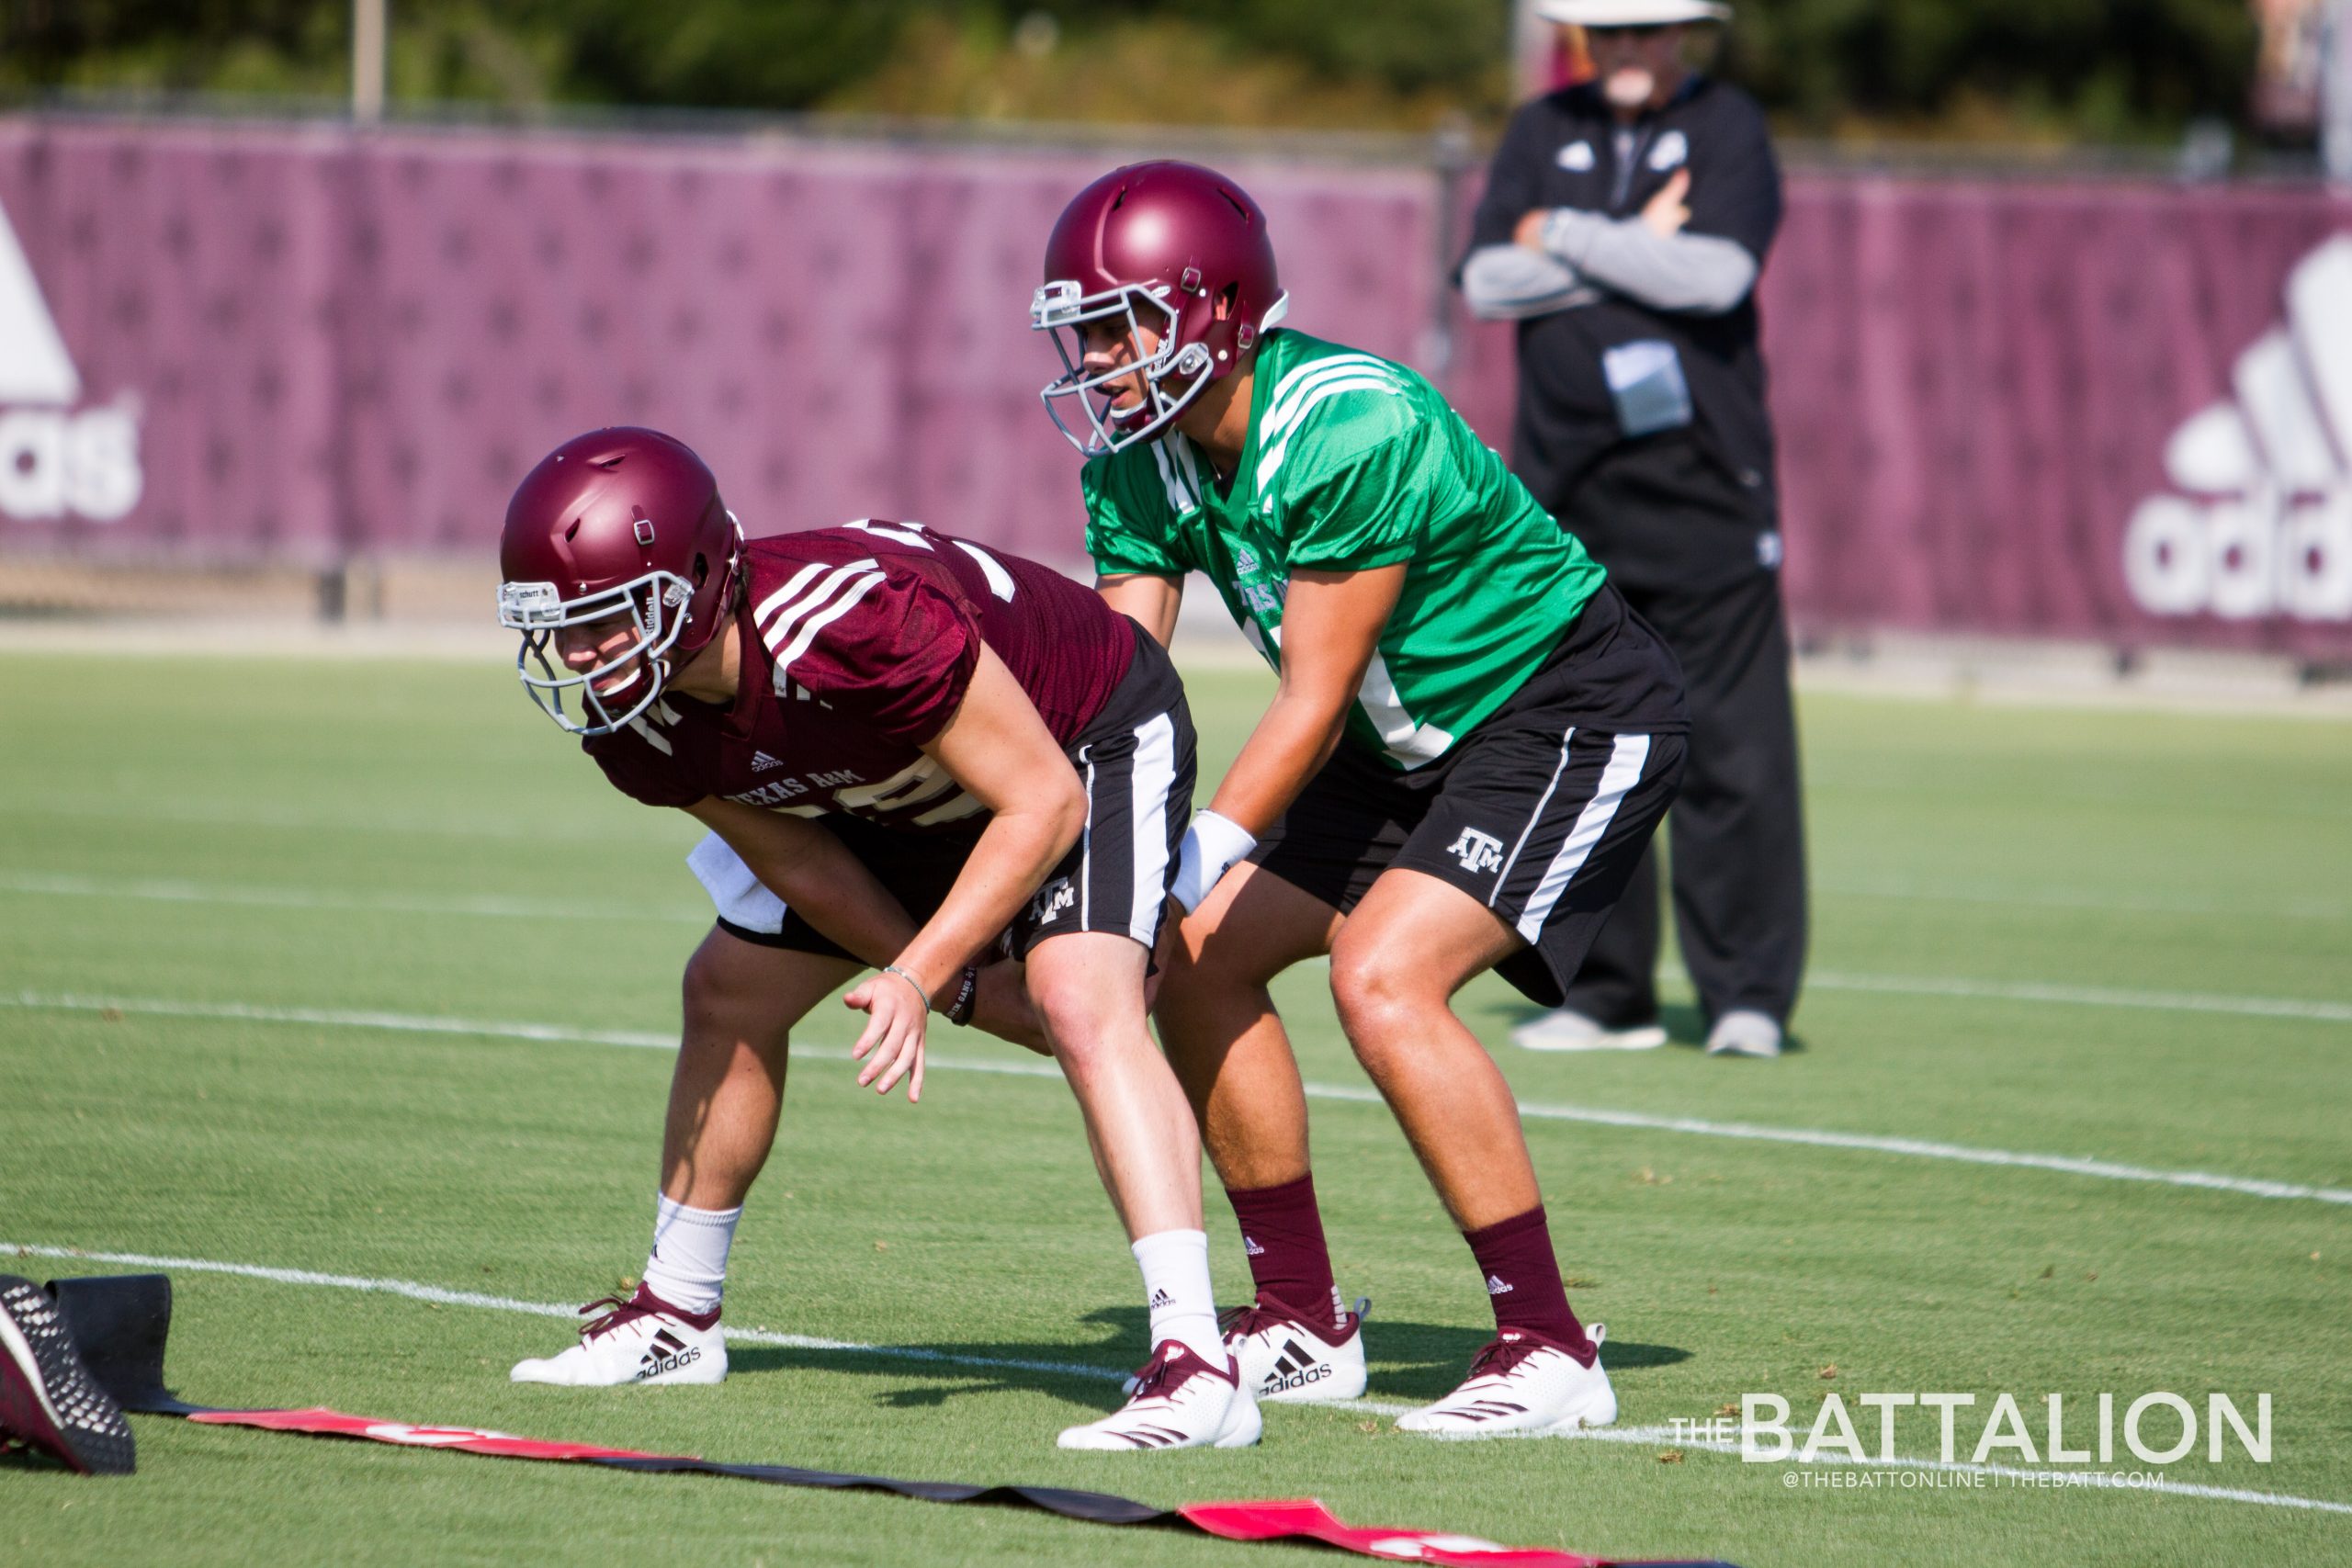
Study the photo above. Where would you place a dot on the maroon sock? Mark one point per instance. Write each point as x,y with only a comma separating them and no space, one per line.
1523,1282
1282,1231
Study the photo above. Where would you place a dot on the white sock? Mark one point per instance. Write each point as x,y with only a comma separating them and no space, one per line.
688,1268
1176,1284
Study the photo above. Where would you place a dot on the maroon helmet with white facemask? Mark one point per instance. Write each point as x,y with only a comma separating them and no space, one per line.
620,525
1173,247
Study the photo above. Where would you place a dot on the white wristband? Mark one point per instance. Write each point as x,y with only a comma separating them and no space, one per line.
1212,845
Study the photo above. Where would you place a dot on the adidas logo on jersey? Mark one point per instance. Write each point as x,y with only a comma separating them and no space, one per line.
55,460
2260,522
761,762
1497,1285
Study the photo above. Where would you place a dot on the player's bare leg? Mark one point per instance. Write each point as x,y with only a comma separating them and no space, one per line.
740,1001
1224,1037
1088,989
1296,1340
1406,949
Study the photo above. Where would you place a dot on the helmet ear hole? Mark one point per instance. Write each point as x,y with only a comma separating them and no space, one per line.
1225,299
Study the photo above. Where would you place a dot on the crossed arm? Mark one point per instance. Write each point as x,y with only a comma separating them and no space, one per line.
1561,257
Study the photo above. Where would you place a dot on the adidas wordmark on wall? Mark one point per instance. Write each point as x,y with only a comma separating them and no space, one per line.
55,460
2262,522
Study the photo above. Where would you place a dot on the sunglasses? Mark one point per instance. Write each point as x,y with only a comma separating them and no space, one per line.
1633,29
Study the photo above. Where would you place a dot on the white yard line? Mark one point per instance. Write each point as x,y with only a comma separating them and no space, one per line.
1899,889
1814,1137
643,830
1637,1437
491,907
1924,891
166,890
2084,996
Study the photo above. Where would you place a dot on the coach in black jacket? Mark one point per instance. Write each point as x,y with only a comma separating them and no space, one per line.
1624,226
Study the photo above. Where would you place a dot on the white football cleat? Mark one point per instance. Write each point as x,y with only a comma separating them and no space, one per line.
1744,1032
1563,1030
1177,1402
1524,1386
1289,1361
643,1339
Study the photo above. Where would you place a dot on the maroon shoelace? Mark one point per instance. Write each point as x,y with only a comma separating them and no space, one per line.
619,1313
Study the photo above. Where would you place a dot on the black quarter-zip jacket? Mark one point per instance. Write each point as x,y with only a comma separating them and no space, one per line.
1568,148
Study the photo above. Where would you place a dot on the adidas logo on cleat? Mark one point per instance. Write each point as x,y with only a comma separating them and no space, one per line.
1294,1369
667,1354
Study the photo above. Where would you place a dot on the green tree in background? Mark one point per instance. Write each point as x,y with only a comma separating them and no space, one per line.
2053,70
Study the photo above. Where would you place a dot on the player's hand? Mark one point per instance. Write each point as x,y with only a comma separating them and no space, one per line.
1667,212
893,1036
1530,231
1001,1005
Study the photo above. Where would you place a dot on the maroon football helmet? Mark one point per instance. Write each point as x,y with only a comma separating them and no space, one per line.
616,522
1172,246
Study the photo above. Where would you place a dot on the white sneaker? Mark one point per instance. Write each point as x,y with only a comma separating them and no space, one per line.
1288,1361
1563,1030
1178,1402
643,1339
1744,1032
1522,1385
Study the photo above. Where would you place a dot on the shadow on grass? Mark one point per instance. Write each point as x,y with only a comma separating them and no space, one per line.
1410,1362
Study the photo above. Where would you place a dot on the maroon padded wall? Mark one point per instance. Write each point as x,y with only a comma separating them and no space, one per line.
302,342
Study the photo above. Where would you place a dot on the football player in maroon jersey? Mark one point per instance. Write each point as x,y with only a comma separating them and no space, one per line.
912,752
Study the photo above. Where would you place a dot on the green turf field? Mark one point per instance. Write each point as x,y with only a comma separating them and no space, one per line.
2118,937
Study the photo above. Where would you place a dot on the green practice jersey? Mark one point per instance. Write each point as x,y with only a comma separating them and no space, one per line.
1355,462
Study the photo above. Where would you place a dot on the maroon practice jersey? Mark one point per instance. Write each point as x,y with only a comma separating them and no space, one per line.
858,644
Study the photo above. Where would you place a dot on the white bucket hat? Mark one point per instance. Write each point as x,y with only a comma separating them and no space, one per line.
1631,12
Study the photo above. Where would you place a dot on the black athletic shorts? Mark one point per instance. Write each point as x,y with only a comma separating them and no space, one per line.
1541,813
1136,761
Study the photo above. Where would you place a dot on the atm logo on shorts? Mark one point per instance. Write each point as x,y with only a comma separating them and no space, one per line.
1477,852
57,459
2262,522
1053,899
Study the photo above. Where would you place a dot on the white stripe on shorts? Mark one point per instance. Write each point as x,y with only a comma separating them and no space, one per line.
1627,754
1153,772
1534,818
1086,847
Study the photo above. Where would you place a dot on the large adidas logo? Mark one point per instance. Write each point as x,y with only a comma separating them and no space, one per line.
2262,522
55,460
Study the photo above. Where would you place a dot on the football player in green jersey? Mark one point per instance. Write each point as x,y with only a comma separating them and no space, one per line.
1470,745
